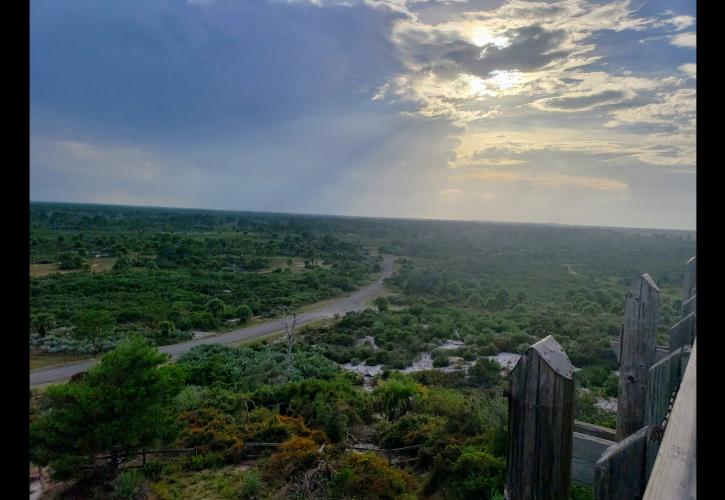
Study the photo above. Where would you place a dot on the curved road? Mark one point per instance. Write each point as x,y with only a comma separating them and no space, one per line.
357,301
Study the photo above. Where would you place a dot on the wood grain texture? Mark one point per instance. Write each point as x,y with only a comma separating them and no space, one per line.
637,354
620,472
541,421
675,469
661,352
664,377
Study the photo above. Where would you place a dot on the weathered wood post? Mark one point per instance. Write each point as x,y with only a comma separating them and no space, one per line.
620,473
638,345
541,424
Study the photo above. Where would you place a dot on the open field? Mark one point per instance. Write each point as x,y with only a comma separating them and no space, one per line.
97,265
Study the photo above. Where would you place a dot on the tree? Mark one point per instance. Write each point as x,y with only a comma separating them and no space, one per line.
70,260
94,326
42,322
122,263
382,304
485,373
289,317
166,328
123,403
245,314
215,306
502,298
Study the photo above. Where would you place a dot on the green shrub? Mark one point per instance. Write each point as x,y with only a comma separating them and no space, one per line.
252,485
127,483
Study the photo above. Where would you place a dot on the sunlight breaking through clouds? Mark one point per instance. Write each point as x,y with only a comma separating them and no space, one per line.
383,107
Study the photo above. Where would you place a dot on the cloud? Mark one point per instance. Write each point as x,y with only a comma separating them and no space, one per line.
673,109
583,102
687,40
689,68
375,107
90,160
553,181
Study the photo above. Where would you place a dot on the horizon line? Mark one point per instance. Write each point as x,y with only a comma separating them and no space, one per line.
384,217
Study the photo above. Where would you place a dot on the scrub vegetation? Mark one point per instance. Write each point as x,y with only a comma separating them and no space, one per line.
462,293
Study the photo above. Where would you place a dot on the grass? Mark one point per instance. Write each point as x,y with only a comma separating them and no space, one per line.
98,265
215,484
38,270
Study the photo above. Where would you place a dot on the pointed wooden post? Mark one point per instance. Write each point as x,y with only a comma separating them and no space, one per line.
541,424
690,281
638,353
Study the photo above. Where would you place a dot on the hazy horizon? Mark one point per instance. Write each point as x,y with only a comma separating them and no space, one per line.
364,216
573,113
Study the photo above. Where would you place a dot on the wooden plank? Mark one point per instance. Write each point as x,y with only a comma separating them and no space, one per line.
664,377
594,430
675,469
683,333
541,404
620,471
690,281
586,451
638,352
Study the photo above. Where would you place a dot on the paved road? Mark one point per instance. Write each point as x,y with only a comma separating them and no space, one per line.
356,301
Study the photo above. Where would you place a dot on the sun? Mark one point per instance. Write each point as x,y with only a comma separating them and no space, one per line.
481,37
504,80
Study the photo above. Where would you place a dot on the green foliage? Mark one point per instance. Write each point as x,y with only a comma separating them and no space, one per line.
124,401
467,472
586,410
382,304
215,307
396,396
334,405
122,263
485,373
370,477
247,369
94,326
244,314
496,287
42,322
579,492
70,260
127,483
252,485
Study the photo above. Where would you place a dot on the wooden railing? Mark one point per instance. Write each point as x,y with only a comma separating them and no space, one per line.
674,473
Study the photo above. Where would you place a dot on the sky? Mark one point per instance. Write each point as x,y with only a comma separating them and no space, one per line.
566,111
